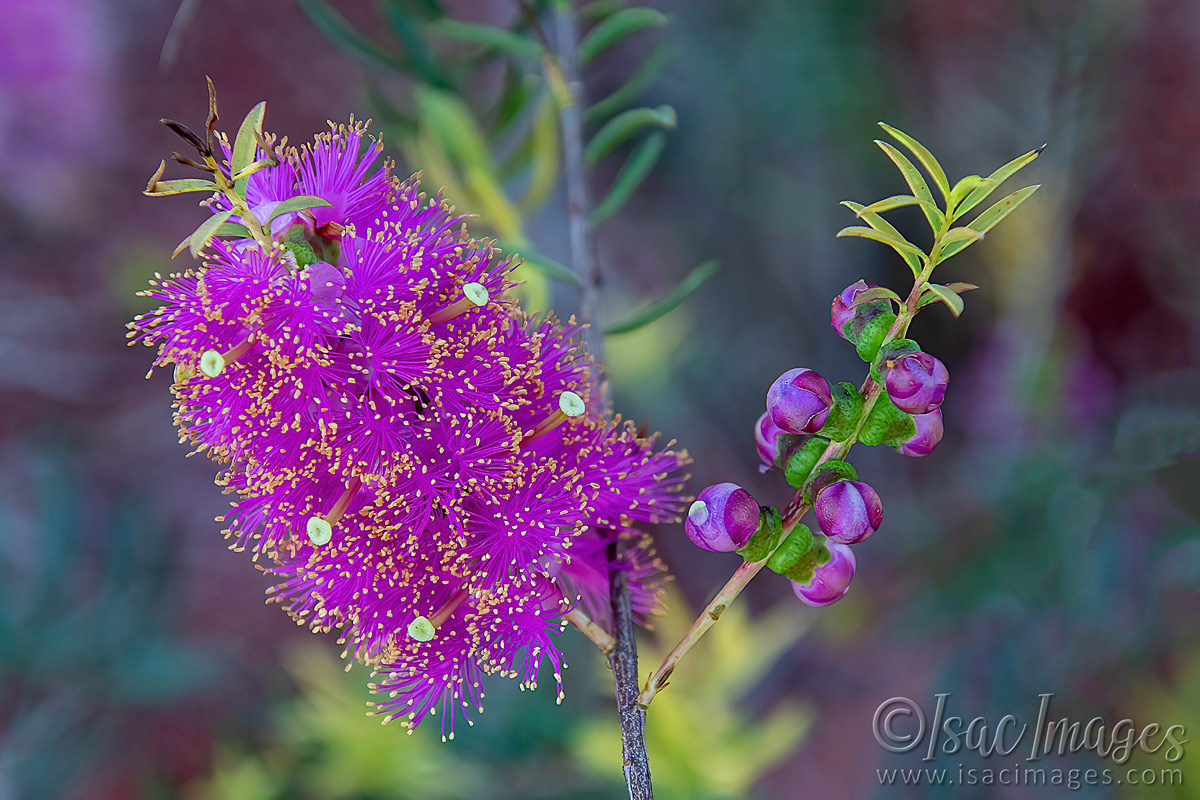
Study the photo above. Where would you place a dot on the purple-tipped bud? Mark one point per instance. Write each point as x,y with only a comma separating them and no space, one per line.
929,433
842,310
766,437
723,518
916,382
830,581
799,401
848,511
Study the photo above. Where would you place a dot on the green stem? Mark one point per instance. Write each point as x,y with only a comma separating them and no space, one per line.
797,508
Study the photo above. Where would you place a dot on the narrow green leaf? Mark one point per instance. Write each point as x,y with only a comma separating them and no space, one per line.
888,203
916,183
877,293
543,264
990,218
667,303
923,155
162,188
961,190
959,287
633,88
346,36
947,296
488,36
417,55
633,172
993,181
956,240
892,240
600,9
882,225
245,146
624,125
206,231
616,27
452,124
297,203
232,229
250,169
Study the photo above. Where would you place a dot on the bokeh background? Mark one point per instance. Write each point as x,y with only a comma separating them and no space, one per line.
1049,545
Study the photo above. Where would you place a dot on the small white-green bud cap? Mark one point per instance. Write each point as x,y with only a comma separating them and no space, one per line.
477,293
421,629
571,404
319,531
212,363
698,512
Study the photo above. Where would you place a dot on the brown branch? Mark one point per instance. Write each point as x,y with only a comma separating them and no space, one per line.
623,657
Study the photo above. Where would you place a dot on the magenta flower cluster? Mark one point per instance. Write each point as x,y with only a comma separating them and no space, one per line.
422,462
804,416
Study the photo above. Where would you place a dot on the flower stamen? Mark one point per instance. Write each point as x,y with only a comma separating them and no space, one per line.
570,405
213,362
475,295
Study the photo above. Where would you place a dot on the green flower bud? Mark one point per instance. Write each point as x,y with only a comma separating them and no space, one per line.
770,526
794,547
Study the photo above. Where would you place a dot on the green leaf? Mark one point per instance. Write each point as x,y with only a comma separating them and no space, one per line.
888,203
245,146
163,188
959,287
616,27
206,231
877,293
947,296
892,240
489,36
990,218
961,190
347,37
600,9
981,192
297,203
883,226
417,55
923,155
916,183
956,240
633,172
667,303
232,229
262,163
624,125
543,264
633,88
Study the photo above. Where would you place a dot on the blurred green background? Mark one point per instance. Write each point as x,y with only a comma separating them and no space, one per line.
1049,545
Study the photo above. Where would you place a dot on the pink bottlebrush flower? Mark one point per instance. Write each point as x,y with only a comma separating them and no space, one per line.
423,464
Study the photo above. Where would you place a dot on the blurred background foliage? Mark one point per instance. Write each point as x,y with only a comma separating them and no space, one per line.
1049,545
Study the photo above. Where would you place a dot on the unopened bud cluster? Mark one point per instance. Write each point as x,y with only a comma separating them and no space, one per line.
807,423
